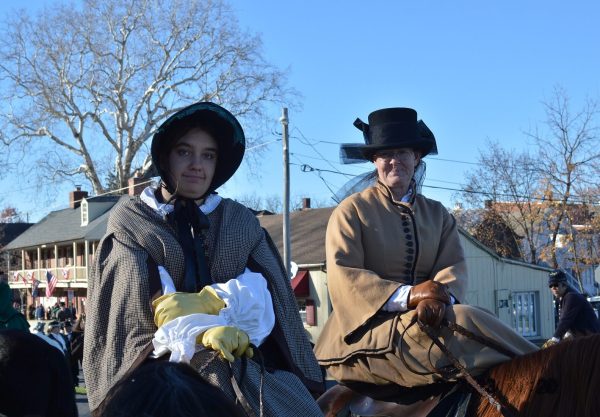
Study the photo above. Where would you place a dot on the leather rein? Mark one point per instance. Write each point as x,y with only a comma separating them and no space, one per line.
459,370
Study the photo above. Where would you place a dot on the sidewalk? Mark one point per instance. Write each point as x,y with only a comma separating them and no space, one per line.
81,400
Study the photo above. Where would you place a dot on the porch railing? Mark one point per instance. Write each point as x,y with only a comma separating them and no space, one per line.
24,278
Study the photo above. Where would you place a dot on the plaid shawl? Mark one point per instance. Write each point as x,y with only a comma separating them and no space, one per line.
119,321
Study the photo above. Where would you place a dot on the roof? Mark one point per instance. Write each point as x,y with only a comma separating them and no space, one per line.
307,230
493,253
9,231
64,226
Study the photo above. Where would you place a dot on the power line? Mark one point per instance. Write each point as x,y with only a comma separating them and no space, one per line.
306,142
311,142
260,145
116,190
308,168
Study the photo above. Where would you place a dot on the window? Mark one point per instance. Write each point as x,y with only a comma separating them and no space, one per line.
306,308
302,310
84,212
525,313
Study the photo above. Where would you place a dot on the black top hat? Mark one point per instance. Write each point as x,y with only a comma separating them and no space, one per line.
219,122
557,277
395,127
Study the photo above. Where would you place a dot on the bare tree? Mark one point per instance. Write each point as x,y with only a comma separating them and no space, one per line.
507,185
546,199
85,84
10,214
568,155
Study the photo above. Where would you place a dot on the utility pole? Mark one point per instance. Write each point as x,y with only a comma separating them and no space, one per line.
286,193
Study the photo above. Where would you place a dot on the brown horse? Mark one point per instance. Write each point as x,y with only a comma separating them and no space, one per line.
563,380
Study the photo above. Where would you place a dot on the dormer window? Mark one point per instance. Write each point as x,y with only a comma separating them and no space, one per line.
85,218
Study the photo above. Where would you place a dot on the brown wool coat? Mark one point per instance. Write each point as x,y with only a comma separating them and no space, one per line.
375,245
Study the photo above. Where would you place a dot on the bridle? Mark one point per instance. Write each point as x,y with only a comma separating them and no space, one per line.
459,370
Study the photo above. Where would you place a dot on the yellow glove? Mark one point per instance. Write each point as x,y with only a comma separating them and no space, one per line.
170,306
549,342
230,342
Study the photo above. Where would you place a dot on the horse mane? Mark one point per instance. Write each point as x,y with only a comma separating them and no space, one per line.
561,380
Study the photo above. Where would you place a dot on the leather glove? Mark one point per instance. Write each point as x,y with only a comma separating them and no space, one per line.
428,289
431,312
170,306
549,342
230,342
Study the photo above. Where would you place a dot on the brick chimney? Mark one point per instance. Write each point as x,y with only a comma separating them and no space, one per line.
305,203
136,184
76,196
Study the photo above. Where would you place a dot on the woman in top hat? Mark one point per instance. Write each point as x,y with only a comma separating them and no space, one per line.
177,252
394,255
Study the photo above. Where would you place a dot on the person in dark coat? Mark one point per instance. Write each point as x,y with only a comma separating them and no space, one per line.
70,337
10,318
26,362
39,312
577,317
64,313
77,341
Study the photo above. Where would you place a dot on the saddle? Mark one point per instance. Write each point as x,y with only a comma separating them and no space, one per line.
367,400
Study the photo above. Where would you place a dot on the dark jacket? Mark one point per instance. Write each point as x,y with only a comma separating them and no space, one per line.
576,316
9,317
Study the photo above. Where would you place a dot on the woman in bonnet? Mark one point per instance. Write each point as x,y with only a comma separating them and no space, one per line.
187,275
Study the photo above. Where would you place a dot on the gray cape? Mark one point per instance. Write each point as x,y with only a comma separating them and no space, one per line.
119,318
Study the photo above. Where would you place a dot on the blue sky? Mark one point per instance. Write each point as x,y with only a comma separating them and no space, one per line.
473,70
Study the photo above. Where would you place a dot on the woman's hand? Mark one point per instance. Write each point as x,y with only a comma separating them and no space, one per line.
431,312
230,342
428,290
170,306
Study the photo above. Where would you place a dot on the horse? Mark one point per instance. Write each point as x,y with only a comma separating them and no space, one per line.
561,380
34,377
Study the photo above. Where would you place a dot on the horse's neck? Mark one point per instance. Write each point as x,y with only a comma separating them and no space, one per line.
561,380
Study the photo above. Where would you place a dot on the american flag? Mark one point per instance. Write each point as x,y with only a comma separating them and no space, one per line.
17,275
65,273
52,281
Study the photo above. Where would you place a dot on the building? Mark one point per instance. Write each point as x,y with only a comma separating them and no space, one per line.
516,292
61,245
9,232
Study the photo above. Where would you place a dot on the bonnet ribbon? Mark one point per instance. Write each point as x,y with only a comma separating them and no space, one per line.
187,217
